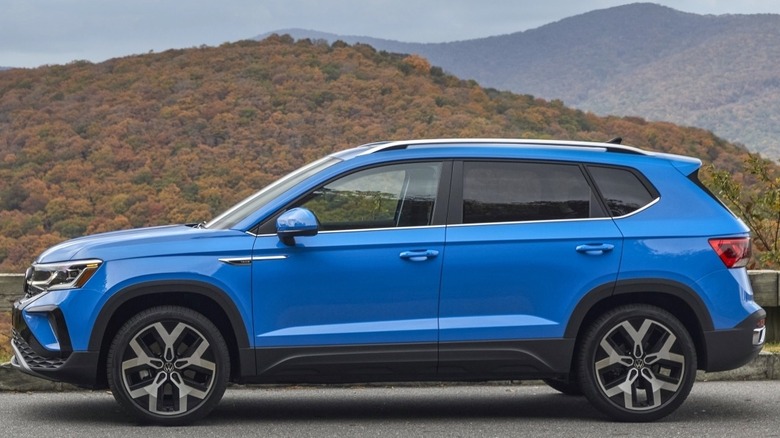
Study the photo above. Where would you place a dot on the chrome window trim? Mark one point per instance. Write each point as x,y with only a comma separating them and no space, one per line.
359,230
356,230
639,210
482,224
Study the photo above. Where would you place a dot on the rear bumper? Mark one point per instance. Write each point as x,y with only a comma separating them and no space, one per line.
732,348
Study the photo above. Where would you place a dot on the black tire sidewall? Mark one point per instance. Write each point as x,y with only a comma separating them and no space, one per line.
168,313
589,346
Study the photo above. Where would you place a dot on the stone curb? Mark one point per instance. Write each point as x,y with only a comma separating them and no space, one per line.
12,379
764,367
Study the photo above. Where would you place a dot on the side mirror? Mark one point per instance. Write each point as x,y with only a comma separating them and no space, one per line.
296,222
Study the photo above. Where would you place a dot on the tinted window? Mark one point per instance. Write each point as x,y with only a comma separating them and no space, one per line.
510,192
401,195
623,191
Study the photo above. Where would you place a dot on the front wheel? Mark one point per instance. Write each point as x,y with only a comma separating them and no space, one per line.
637,363
168,365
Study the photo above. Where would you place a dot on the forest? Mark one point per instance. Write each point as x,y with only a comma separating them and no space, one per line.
178,136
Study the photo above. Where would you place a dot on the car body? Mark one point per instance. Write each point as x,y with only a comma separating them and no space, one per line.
603,269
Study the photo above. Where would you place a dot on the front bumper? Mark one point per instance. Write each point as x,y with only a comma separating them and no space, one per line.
732,348
63,364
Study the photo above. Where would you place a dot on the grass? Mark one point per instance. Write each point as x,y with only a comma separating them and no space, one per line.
5,337
772,347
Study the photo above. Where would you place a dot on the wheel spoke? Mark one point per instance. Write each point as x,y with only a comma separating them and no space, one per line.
665,352
185,389
613,357
141,359
196,359
150,388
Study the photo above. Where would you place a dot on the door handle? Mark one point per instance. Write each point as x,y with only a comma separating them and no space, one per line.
420,255
595,248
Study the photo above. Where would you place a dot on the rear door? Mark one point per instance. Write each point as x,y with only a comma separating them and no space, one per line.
526,241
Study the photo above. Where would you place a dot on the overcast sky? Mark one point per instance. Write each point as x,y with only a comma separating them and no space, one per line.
37,32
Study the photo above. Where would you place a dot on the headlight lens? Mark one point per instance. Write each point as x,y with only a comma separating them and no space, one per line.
53,276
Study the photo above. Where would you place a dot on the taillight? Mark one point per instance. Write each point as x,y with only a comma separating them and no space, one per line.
733,252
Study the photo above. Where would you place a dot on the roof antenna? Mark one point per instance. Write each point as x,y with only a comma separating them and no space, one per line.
616,140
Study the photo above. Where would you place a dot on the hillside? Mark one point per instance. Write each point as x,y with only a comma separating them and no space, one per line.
179,136
720,73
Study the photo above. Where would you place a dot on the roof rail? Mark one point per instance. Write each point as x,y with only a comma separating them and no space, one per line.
605,146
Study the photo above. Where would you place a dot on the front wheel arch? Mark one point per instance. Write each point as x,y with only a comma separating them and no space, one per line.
205,299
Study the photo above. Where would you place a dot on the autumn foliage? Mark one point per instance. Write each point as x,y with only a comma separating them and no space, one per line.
179,136
5,337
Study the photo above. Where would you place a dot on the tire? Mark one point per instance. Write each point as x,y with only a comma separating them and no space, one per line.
168,365
637,363
566,387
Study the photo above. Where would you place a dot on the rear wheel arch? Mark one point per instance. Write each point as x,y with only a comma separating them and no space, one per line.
206,299
679,300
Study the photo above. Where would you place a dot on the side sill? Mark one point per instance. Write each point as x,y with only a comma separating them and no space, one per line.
500,360
457,361
344,363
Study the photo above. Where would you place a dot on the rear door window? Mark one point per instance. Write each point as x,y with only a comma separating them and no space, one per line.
526,191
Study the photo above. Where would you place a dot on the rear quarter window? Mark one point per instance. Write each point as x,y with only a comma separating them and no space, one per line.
623,190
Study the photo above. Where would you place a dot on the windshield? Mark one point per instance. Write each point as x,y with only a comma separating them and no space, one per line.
240,211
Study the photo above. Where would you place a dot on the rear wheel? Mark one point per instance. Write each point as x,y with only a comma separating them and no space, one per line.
637,363
168,365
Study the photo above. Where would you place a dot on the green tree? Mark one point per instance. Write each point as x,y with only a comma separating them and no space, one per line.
757,201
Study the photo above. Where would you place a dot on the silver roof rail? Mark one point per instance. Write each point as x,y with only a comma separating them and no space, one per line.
373,148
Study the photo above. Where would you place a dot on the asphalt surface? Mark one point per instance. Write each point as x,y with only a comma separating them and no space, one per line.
714,409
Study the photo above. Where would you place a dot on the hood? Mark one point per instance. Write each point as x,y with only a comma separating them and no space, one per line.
117,245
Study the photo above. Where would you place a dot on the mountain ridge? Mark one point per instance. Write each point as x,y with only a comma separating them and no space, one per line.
718,72
178,136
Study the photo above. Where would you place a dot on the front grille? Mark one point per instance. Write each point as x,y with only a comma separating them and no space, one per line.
32,359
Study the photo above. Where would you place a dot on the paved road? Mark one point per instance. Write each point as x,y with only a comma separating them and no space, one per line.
714,409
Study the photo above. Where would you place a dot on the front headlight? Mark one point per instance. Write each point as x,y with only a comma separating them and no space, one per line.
54,276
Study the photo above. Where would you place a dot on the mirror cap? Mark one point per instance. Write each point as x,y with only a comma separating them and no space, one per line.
297,222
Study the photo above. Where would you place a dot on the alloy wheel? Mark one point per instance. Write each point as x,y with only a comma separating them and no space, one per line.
639,364
636,362
168,365
168,368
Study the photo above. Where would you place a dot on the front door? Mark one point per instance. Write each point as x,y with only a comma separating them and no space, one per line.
365,289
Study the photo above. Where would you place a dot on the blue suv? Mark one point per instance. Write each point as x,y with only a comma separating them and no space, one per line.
604,270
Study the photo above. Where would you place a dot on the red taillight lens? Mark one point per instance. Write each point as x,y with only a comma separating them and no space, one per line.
734,252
